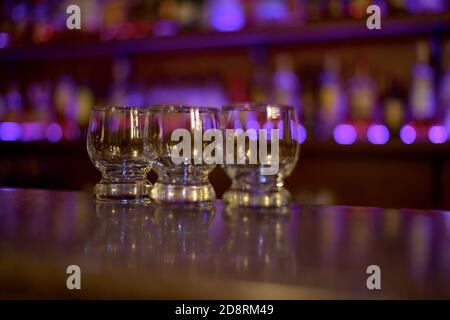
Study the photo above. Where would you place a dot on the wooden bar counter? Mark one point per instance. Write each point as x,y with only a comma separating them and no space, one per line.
166,252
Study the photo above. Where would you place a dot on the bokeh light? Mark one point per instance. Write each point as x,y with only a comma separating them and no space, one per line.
54,132
227,15
408,134
32,131
437,134
301,134
378,134
10,131
4,40
344,134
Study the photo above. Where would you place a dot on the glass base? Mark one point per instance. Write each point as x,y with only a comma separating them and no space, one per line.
172,193
276,198
130,191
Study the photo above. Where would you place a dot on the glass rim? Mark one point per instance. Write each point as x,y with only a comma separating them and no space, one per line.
173,108
118,108
251,106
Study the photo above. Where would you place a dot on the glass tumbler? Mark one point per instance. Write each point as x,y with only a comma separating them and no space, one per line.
261,150
119,145
181,168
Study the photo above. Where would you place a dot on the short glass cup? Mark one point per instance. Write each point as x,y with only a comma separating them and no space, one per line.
261,150
120,148
181,168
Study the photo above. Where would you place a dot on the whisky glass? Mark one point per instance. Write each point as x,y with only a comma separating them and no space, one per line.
120,148
261,150
182,173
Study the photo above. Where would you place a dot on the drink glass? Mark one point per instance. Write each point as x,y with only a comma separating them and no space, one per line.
182,172
261,150
119,146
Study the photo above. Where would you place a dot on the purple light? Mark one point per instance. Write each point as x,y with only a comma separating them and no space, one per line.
237,124
32,131
378,134
227,15
165,28
54,132
4,40
437,134
301,134
10,131
134,99
268,126
344,134
252,124
206,124
252,127
271,10
408,134
416,6
19,12
280,127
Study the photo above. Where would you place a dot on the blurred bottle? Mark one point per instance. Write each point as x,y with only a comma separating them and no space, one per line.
66,99
40,97
43,30
85,102
190,14
19,14
120,75
316,9
332,101
336,9
114,15
91,11
422,94
260,91
286,83
397,7
166,23
444,91
14,102
357,8
309,100
362,98
394,110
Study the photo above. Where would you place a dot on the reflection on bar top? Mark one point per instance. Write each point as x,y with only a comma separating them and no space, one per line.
317,247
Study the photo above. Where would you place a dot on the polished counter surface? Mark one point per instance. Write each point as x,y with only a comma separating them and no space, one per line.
167,252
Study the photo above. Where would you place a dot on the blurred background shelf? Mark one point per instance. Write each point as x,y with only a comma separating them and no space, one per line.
318,32
374,105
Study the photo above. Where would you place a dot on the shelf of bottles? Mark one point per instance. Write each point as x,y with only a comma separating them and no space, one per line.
35,22
346,110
